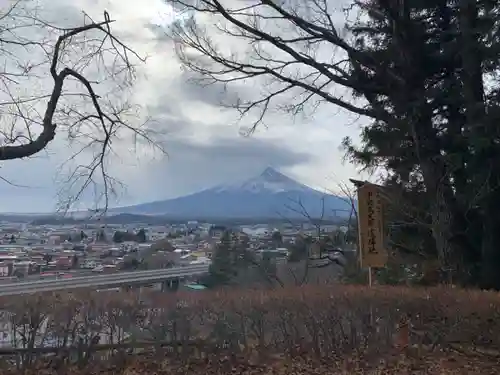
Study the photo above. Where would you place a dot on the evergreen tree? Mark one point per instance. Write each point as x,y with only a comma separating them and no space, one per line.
47,258
268,266
101,236
300,249
439,140
141,236
222,268
118,237
277,239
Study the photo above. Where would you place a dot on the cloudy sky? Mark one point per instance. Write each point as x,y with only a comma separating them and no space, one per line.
204,143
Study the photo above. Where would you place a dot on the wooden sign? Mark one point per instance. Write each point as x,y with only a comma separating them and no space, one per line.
372,252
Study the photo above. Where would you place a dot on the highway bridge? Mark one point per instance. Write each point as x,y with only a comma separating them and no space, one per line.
108,281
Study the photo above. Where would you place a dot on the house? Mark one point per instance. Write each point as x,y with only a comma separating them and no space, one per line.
5,269
192,259
179,254
216,230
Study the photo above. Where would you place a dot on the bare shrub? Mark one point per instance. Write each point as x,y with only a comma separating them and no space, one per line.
319,322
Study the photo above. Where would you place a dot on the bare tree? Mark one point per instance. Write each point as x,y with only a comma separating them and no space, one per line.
293,48
319,252
349,195
70,81
297,206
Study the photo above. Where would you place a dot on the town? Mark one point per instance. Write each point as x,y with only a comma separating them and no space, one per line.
31,252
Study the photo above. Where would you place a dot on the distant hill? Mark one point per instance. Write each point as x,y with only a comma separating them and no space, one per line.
269,195
120,219
114,219
19,218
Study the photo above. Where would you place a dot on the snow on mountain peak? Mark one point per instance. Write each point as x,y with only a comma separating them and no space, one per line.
271,174
270,180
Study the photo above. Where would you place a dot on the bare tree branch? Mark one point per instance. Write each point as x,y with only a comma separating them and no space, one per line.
294,49
325,257
75,63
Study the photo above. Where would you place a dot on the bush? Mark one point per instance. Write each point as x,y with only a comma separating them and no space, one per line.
328,325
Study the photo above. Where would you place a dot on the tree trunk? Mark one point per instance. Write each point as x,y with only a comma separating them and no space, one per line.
490,249
442,233
486,150
445,213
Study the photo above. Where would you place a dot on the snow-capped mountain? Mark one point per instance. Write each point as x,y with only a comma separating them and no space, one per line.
268,195
270,181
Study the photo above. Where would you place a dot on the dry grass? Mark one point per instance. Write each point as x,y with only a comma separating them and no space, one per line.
328,329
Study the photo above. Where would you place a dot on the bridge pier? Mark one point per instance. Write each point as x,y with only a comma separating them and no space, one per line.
165,285
174,284
170,285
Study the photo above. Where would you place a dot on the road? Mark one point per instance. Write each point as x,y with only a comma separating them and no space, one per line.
109,280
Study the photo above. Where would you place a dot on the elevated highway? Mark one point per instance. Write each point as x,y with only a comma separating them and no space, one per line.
100,281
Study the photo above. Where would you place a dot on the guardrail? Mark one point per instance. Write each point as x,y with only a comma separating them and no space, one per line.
122,278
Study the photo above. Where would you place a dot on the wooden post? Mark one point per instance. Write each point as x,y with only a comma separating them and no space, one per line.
370,284
372,235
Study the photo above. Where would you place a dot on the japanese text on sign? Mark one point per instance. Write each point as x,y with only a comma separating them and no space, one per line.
371,226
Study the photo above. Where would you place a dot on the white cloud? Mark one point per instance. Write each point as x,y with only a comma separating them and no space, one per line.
203,141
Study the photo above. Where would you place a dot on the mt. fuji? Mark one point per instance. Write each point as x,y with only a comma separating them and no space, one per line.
269,195
270,181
